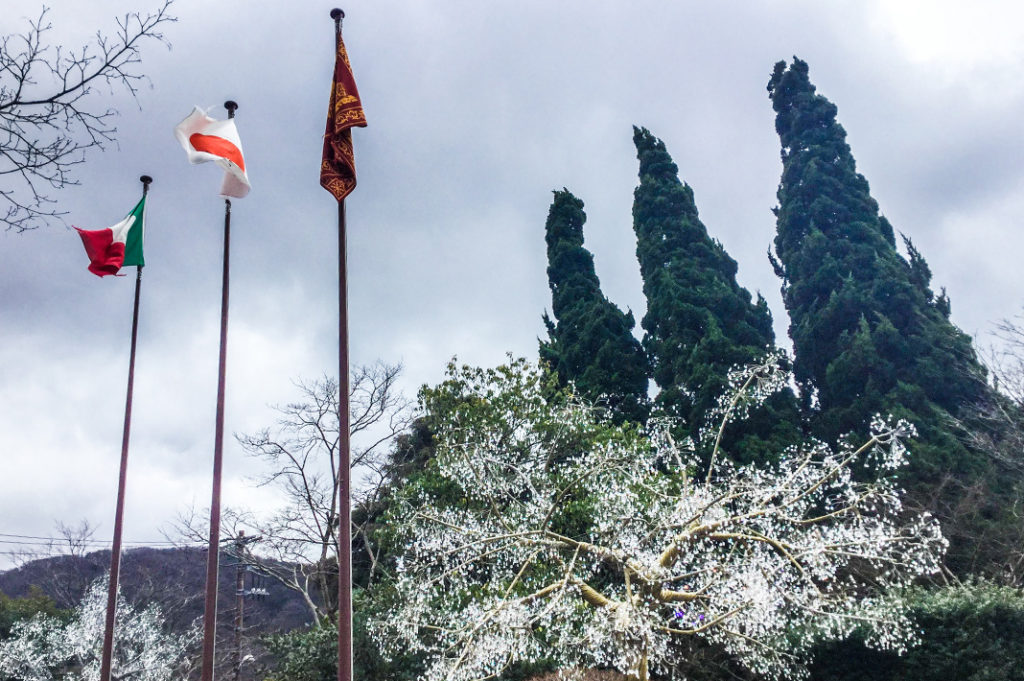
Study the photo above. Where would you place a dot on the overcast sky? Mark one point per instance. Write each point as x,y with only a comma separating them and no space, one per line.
477,110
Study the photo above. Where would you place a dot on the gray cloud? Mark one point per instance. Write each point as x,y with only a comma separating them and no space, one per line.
477,111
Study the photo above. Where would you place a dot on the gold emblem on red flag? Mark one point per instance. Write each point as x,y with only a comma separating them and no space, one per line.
345,111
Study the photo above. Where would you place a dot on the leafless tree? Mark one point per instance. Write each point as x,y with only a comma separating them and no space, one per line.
67,539
298,543
66,577
996,428
51,111
1004,438
75,540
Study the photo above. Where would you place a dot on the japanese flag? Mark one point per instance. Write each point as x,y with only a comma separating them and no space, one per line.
207,139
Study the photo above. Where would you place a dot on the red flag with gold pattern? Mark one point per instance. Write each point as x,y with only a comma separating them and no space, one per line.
338,168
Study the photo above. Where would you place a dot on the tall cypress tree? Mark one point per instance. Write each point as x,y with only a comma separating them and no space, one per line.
591,342
869,334
700,322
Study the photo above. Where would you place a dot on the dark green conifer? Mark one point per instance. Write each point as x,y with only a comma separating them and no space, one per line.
868,333
867,330
590,343
700,322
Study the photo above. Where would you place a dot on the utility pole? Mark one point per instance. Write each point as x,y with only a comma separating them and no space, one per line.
241,541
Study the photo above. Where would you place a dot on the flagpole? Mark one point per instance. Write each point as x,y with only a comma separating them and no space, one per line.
213,556
115,548
344,477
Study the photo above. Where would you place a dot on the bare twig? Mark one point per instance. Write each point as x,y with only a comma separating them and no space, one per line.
49,113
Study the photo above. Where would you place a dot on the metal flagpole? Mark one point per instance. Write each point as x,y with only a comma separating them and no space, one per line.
115,548
213,557
344,478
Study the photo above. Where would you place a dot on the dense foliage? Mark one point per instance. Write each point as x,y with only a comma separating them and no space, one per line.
700,323
548,533
14,610
305,654
591,343
869,334
971,632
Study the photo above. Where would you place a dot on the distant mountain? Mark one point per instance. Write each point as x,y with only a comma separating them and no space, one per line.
175,580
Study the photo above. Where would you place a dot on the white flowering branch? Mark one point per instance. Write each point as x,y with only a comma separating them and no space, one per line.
44,647
551,534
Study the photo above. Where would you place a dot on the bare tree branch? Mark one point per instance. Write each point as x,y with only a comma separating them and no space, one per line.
298,546
995,428
49,113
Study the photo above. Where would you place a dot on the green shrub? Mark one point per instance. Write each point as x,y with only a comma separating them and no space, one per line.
972,632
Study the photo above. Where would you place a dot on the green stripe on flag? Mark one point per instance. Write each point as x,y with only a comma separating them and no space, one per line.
133,243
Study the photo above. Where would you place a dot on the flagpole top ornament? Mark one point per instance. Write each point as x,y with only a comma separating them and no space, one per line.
145,179
337,14
231,106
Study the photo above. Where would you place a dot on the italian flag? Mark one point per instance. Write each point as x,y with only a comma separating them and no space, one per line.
115,247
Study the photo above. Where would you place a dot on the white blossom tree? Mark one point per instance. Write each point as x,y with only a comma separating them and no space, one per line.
44,648
545,532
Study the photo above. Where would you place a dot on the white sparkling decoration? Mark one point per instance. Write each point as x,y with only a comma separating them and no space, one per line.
44,648
549,533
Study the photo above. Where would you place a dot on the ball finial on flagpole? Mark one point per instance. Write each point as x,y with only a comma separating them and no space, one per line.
231,106
337,14
146,179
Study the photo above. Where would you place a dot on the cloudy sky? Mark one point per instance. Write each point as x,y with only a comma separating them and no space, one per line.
477,111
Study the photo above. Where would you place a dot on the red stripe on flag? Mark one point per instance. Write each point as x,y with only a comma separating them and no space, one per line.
105,256
218,146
